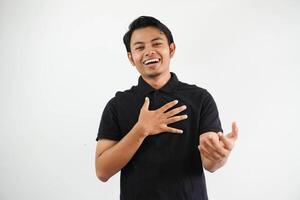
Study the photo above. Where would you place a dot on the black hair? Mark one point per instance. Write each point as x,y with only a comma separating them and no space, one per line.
143,22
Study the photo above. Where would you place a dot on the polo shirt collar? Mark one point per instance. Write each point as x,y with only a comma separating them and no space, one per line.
144,88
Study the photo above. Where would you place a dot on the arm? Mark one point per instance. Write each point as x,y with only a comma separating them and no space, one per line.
112,156
215,148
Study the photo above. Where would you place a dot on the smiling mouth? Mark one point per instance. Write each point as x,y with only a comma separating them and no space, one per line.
151,61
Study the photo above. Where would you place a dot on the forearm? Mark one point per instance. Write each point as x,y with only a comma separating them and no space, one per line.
114,159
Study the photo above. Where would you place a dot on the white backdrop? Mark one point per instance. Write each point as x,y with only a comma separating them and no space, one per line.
61,61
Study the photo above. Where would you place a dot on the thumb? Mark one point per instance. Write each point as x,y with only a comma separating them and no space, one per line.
146,104
234,131
228,144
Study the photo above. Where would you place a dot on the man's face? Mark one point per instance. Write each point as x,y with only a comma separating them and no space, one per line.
150,52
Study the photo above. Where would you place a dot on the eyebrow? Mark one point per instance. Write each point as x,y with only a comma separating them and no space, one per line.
155,39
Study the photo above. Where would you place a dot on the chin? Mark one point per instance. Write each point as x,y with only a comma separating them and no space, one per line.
154,74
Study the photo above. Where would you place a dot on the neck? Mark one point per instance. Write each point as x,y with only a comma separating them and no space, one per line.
158,82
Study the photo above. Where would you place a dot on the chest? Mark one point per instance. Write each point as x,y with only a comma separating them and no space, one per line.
128,116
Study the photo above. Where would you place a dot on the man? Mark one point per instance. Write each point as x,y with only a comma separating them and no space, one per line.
162,132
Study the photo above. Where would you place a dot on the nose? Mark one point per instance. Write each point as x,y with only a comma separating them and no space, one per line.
149,51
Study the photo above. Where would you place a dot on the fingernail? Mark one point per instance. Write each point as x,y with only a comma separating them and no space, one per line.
185,116
184,106
176,101
181,131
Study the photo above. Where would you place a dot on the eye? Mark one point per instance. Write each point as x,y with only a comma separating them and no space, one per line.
139,48
157,44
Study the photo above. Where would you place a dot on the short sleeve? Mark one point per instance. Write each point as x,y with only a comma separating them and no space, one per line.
209,115
109,127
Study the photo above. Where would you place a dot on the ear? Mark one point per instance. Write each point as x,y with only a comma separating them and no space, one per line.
130,58
172,49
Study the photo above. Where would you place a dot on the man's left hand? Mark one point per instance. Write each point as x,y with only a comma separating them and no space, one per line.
215,148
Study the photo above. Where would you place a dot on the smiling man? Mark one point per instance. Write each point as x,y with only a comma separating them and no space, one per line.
161,133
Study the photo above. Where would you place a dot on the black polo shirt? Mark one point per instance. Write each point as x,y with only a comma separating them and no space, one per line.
167,165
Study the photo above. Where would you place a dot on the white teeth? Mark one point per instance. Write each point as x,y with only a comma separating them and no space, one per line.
151,60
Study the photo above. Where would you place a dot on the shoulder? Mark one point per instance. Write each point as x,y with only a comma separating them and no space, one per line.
193,89
194,94
122,96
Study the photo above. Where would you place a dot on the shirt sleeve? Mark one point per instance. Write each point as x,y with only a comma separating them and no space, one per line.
209,116
109,127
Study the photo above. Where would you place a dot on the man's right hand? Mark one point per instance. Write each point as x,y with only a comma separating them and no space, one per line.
156,121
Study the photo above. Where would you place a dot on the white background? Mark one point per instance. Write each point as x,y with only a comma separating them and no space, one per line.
61,61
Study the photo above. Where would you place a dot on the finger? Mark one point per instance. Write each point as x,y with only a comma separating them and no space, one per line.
175,111
176,119
173,130
167,106
228,144
207,139
216,145
205,154
209,153
234,131
146,104
214,154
